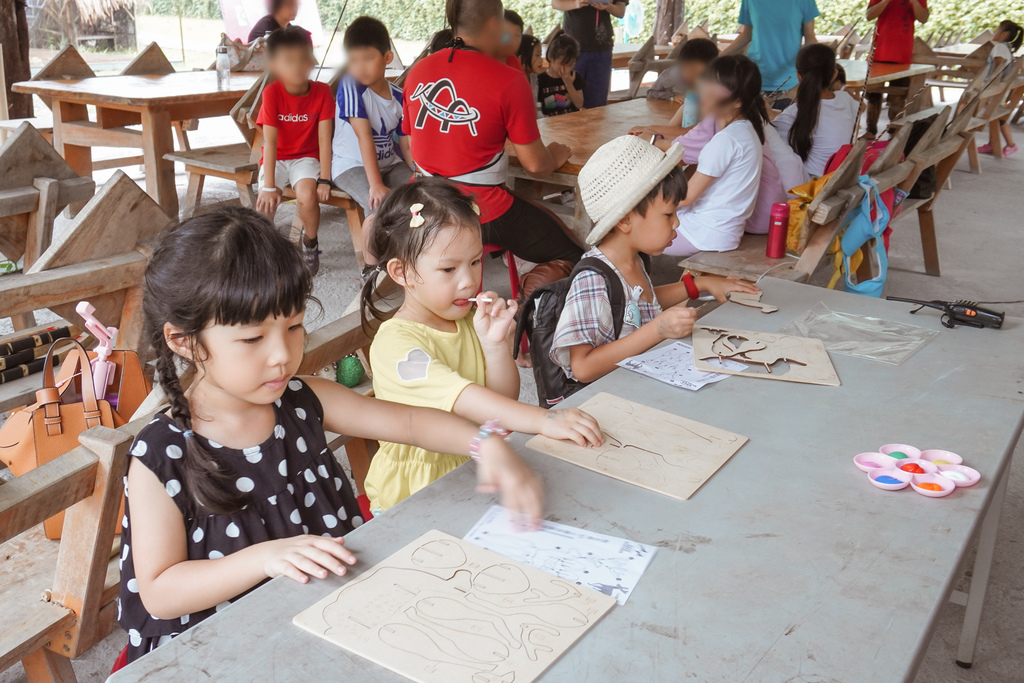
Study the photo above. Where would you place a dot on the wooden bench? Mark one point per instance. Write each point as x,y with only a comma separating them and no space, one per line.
60,598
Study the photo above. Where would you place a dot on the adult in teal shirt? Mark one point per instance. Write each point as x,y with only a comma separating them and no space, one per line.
774,29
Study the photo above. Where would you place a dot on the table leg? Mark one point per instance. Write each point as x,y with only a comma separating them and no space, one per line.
915,94
979,579
158,140
79,157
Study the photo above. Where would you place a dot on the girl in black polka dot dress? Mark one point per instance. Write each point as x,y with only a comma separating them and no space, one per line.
235,484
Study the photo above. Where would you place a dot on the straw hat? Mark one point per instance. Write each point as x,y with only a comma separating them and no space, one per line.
618,176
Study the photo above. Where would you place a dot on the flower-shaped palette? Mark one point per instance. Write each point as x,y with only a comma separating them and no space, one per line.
934,473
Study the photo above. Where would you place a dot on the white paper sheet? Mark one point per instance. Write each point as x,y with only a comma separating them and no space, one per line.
607,564
673,364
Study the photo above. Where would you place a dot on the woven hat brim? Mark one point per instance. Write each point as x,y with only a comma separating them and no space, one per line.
629,201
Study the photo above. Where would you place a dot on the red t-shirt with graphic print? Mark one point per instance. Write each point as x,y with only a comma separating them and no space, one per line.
459,113
297,118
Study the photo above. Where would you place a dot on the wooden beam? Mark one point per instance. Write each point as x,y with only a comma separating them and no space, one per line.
43,492
30,292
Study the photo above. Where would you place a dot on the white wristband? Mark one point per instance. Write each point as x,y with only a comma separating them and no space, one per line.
275,190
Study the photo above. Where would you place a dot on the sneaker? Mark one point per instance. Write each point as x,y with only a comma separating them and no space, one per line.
311,255
1009,150
985,149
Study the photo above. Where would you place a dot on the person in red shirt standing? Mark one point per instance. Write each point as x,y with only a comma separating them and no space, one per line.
894,43
461,104
297,117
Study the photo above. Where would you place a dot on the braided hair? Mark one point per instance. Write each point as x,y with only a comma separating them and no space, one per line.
228,267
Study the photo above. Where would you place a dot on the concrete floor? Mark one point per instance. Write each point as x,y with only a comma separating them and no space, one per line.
980,238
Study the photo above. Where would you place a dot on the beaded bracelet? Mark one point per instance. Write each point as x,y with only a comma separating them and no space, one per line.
487,429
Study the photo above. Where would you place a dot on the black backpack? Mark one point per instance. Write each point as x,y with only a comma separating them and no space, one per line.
539,318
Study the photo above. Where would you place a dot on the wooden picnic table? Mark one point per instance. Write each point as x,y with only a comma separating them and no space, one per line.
584,131
786,565
882,73
958,50
623,52
122,101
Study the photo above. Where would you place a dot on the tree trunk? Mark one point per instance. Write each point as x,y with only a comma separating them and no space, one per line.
14,38
668,17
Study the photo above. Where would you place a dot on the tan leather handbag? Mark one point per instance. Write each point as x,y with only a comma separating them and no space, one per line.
130,384
49,428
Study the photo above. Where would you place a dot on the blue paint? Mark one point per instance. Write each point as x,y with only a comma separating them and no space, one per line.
886,479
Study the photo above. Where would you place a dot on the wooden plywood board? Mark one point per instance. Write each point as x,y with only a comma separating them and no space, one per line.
649,448
444,610
767,355
119,217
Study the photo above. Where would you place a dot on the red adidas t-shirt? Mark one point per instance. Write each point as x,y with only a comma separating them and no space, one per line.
894,40
297,118
459,113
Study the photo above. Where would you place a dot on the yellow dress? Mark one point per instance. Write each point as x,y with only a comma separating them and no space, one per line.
419,366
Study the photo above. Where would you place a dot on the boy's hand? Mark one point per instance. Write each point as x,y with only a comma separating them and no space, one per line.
500,469
494,320
300,557
676,323
718,286
323,193
560,153
268,200
572,424
377,195
642,131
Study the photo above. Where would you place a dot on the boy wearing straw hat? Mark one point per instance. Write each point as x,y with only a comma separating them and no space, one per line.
630,189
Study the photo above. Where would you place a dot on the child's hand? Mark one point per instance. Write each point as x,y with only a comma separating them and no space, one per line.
323,193
500,469
377,195
300,557
560,153
718,286
268,200
494,319
676,322
642,131
572,424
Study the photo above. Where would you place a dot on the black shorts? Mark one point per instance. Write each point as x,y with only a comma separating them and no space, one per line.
532,233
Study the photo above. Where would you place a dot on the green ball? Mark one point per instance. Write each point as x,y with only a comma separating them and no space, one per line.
350,371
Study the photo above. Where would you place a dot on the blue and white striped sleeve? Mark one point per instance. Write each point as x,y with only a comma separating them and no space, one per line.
350,99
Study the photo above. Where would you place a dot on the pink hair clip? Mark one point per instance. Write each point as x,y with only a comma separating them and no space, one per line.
417,220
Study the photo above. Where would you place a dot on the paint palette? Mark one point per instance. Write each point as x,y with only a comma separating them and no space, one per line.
934,473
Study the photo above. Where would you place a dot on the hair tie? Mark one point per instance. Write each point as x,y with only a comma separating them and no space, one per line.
188,433
476,209
417,220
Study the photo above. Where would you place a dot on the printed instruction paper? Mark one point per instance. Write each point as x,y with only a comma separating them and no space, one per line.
674,364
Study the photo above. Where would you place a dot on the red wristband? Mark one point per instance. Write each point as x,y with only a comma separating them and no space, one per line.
691,286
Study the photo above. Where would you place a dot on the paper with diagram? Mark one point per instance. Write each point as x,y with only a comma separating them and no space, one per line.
442,610
607,564
647,447
764,354
674,364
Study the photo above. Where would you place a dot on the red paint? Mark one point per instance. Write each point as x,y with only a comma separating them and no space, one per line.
912,467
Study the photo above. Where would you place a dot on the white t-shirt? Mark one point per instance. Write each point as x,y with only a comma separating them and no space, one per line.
999,51
835,126
355,100
733,157
790,165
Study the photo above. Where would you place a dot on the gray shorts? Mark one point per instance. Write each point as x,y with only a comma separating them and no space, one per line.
354,182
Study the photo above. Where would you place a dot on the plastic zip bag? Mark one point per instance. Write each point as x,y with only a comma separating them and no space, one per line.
862,336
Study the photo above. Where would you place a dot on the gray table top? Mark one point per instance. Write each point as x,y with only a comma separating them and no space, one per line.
787,563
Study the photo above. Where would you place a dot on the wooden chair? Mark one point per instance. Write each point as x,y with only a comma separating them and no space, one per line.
37,184
551,34
60,597
983,37
68,63
997,101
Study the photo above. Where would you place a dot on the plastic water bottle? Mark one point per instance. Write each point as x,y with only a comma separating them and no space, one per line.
691,110
223,68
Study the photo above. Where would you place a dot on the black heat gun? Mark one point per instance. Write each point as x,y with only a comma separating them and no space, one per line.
967,313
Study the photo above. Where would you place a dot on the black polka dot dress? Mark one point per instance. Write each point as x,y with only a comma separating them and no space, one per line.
297,487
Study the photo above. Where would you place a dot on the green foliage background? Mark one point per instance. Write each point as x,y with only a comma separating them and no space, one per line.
418,19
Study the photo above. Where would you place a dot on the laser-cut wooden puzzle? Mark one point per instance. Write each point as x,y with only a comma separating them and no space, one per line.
766,355
649,448
442,610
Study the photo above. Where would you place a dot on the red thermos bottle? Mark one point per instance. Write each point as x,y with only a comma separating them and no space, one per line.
777,230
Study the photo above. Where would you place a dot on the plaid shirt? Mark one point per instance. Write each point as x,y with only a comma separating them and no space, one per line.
587,316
